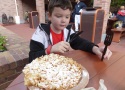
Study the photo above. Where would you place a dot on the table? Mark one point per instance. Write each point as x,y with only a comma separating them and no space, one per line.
112,71
117,34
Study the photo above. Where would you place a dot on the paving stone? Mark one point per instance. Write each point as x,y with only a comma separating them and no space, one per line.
3,80
5,68
20,68
18,51
4,85
18,60
3,61
11,77
8,56
7,73
12,52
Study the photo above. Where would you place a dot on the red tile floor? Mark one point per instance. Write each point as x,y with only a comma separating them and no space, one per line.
22,30
26,32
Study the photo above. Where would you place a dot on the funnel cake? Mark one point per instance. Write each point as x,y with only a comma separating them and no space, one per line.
52,72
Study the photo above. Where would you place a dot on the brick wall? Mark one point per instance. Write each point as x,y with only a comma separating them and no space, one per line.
14,59
8,7
105,4
40,6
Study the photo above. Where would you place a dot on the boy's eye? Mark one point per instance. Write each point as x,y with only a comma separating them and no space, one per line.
58,16
62,16
67,16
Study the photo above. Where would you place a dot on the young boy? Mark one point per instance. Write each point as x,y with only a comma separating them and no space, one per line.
54,37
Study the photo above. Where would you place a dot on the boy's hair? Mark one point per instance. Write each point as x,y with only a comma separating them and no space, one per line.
63,4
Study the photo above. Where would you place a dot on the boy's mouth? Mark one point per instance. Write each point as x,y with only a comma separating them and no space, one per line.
62,25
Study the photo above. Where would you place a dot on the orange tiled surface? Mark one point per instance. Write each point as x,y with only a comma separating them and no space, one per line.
22,30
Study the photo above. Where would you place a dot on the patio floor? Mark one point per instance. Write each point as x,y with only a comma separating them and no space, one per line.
22,30
26,32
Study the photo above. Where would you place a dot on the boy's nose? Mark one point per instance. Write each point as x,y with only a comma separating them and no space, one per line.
63,20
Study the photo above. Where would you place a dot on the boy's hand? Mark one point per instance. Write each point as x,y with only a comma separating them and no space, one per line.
99,51
61,47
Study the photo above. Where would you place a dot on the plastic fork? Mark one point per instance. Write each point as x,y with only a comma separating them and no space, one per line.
107,42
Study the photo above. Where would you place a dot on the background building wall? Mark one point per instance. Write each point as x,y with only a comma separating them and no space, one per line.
7,7
105,4
28,5
40,6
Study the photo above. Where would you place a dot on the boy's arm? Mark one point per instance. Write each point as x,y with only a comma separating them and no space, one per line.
82,44
36,50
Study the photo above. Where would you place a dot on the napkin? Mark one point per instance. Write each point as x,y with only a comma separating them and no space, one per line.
101,86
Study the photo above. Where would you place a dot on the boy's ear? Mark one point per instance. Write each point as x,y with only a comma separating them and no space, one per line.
49,16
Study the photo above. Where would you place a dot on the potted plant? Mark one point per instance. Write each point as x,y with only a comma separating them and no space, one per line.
3,41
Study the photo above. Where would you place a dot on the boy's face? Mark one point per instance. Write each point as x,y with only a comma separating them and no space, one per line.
59,18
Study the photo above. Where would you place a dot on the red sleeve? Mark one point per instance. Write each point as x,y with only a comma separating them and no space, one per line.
48,50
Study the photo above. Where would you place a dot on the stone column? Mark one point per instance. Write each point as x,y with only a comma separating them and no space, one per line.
20,10
105,4
40,6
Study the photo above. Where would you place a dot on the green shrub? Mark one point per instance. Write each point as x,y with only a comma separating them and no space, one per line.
2,43
117,3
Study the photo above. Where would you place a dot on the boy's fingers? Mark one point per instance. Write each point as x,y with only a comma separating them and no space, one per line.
108,54
66,45
63,49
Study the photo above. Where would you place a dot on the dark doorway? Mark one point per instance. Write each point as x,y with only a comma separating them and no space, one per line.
29,5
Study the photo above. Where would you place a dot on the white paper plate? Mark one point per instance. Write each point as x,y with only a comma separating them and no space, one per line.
84,81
